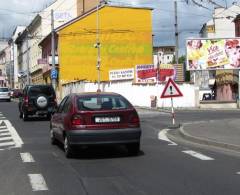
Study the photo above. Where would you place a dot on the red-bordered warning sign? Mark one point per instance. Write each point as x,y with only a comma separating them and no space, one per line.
171,90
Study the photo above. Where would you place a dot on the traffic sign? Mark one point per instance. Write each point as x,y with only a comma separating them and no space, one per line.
171,90
54,73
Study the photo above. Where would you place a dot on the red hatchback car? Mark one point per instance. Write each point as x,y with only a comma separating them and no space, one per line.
95,118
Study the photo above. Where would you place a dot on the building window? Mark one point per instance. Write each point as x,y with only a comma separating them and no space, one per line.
0,72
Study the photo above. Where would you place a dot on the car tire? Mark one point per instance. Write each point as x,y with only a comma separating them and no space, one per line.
20,115
52,137
133,148
49,116
25,116
67,148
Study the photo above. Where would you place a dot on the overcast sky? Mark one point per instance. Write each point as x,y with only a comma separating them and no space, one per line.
190,16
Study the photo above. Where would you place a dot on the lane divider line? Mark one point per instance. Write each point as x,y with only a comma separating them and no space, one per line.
162,136
197,155
37,182
27,157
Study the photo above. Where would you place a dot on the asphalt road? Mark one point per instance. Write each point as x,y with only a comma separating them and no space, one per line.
160,168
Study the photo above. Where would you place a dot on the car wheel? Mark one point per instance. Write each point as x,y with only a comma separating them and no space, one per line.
67,148
52,137
20,115
25,116
133,148
49,116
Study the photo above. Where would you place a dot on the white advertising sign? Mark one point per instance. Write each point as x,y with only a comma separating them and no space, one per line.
122,74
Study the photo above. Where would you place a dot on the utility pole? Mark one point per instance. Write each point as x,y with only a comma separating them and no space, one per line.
176,32
98,45
53,70
28,71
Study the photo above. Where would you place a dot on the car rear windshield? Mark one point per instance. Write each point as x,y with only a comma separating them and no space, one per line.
36,90
4,90
102,102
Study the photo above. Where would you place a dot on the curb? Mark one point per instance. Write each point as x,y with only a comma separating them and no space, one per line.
209,142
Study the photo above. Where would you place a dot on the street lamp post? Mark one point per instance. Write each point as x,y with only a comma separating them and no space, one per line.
98,45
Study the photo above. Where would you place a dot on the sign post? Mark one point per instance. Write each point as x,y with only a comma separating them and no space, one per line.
171,90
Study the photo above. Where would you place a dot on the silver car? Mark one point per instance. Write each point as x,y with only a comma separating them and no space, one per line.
5,94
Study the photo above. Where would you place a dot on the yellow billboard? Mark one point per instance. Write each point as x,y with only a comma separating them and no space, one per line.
125,35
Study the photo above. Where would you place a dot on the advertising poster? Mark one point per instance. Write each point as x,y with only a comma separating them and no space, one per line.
206,54
122,74
146,73
167,71
149,74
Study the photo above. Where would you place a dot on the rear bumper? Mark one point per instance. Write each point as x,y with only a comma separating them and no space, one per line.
5,98
110,136
31,110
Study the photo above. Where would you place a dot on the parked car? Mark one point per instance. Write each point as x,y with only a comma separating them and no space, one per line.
16,93
39,100
93,119
5,94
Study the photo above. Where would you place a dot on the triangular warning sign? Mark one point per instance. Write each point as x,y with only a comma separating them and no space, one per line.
171,90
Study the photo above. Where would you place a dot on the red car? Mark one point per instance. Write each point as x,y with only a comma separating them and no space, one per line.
93,119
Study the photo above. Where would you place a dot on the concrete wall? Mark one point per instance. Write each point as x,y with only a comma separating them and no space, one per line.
138,95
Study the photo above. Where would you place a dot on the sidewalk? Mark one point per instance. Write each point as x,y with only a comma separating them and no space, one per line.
219,133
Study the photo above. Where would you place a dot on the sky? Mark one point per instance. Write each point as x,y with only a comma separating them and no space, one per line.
190,16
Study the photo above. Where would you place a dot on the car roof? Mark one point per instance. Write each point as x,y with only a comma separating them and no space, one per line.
95,93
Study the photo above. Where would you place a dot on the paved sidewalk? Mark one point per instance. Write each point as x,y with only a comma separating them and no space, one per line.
220,133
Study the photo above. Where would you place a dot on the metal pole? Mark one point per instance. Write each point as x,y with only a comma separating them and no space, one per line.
176,32
53,49
173,114
98,45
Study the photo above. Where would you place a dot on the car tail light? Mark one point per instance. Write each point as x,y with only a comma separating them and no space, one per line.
77,120
134,120
26,100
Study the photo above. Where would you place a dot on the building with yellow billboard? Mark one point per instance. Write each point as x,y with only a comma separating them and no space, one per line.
125,37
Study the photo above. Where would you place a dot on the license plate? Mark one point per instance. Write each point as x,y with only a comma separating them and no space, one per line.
107,119
41,112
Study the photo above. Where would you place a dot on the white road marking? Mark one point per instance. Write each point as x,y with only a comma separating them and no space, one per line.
3,127
5,134
5,138
37,181
3,130
18,141
7,144
162,136
197,155
27,157
238,173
